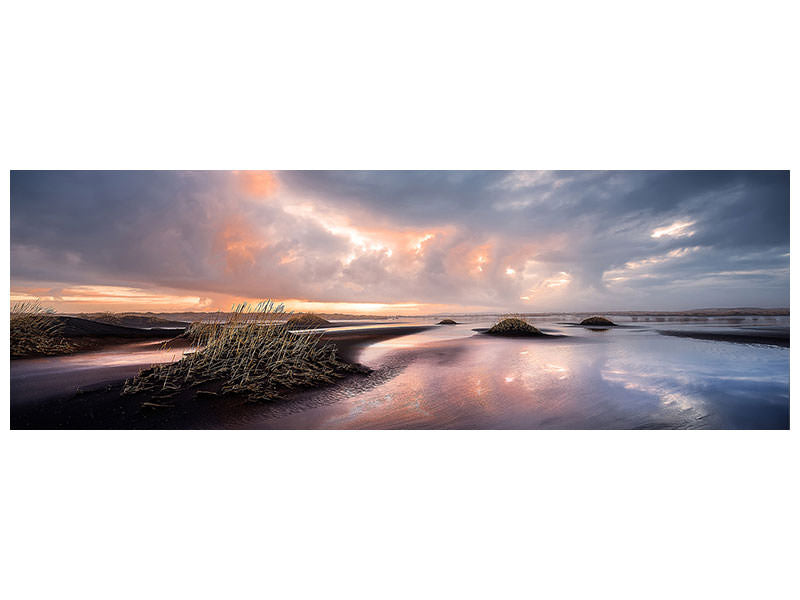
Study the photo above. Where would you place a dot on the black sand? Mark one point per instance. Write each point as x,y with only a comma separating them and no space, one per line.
771,337
102,407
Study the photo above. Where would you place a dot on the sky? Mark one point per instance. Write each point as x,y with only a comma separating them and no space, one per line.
400,242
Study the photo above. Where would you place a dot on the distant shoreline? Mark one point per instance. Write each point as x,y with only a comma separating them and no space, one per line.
188,317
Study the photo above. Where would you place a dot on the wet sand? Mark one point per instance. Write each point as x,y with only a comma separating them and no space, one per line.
621,378
82,391
772,337
447,377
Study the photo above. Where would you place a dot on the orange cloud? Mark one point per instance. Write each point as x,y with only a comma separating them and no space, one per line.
258,183
91,298
109,297
472,259
240,243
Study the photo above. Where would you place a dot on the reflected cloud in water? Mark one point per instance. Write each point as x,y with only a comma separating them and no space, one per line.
627,378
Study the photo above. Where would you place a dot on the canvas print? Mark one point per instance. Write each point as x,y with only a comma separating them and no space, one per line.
399,300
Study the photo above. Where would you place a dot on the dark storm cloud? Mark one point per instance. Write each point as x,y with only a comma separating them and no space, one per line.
570,239
607,216
182,230
753,205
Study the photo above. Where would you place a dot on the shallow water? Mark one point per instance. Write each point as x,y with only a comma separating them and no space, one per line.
451,377
35,379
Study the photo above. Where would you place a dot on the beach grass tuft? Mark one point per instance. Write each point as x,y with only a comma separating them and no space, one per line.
35,331
252,353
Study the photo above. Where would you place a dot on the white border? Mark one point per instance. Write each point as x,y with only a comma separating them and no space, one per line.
580,85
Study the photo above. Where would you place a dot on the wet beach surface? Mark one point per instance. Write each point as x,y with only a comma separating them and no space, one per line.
37,379
82,391
631,377
617,378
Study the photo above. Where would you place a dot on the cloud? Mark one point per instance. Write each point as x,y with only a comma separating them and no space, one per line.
488,240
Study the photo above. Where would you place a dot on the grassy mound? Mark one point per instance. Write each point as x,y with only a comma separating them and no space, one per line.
307,321
34,331
252,354
513,326
447,322
598,321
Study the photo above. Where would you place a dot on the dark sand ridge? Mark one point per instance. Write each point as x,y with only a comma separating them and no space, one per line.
85,335
777,336
73,327
102,407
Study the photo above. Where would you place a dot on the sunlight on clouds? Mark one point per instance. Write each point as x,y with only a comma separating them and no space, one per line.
349,307
677,229
257,183
638,268
376,241
654,260
362,240
548,287
422,240
79,297
90,298
563,278
333,223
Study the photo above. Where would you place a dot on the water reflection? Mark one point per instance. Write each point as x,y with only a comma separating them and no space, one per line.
451,377
627,378
39,378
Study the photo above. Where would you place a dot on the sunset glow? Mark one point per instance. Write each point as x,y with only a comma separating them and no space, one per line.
677,229
385,242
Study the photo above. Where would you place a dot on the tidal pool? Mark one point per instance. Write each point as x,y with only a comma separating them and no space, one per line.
622,378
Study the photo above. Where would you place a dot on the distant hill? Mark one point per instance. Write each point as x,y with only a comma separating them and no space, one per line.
706,312
136,320
180,319
698,312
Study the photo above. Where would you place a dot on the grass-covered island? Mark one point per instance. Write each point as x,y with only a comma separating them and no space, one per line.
35,331
514,327
252,354
447,322
598,322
